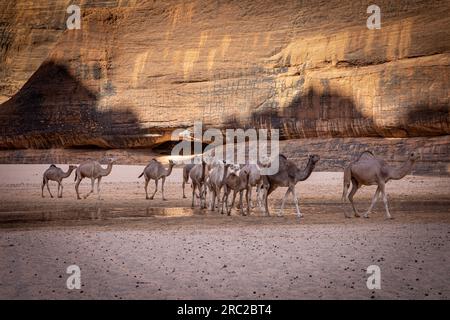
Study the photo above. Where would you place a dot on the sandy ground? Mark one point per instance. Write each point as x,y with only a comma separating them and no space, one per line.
129,247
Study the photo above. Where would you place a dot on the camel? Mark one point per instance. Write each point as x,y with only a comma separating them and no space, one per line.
155,170
255,179
198,178
55,174
188,167
236,180
93,170
287,176
370,170
215,182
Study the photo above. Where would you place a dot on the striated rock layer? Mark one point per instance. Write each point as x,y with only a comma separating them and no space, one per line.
139,69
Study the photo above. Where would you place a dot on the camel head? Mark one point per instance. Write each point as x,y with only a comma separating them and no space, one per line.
314,158
225,164
72,167
171,163
234,169
112,160
413,156
264,162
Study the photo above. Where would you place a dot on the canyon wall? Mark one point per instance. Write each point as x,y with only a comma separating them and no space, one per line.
136,70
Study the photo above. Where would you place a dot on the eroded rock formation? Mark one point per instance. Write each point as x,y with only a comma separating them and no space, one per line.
138,69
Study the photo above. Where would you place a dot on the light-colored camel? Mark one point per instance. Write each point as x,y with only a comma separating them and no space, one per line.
155,171
287,176
370,170
93,170
254,180
198,179
54,173
215,182
186,169
236,181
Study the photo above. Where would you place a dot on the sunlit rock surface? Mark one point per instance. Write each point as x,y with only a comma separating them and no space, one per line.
139,69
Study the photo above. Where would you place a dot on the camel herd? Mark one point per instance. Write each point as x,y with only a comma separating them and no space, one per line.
219,179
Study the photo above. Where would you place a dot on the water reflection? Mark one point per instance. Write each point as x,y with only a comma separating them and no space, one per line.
106,212
98,212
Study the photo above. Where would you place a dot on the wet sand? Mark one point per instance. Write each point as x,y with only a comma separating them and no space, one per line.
129,247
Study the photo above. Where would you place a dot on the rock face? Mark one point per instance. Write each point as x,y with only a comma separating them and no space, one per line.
136,70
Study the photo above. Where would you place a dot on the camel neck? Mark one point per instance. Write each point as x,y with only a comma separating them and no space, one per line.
399,173
305,173
68,172
105,172
169,170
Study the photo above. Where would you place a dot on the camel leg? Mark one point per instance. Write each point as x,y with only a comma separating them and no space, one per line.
76,188
42,188
241,193
60,192
248,199
98,187
156,189
218,191
299,214
283,201
184,182
212,206
204,193
355,188
146,187
268,189
385,200
264,195
92,188
259,195
374,200
232,202
48,188
162,188
224,200
249,195
193,194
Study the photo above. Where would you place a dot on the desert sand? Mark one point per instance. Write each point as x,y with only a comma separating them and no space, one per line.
129,247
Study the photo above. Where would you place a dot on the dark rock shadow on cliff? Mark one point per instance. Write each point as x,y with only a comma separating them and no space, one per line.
311,115
428,120
165,148
54,109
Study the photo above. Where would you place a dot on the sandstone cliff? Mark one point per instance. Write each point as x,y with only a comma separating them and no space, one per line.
138,69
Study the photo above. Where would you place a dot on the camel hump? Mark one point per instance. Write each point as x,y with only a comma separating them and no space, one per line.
365,154
52,166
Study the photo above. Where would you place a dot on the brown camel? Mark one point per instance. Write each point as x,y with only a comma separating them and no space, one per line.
55,174
93,170
155,170
287,176
370,170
